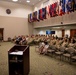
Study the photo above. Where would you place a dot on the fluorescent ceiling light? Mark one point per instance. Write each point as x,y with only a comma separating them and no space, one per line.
15,0
28,1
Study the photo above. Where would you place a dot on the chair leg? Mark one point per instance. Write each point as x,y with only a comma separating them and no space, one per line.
60,57
70,60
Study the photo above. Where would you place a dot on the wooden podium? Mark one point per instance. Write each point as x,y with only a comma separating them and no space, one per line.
18,60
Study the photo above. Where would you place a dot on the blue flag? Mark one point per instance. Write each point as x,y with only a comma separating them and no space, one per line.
44,13
63,6
69,6
31,17
50,10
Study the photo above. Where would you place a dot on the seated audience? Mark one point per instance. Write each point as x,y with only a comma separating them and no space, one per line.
71,44
43,48
18,39
23,41
65,43
57,45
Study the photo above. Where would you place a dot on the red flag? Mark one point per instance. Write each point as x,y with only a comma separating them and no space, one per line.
40,14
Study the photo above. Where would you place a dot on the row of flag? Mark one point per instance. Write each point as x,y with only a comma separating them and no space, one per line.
56,9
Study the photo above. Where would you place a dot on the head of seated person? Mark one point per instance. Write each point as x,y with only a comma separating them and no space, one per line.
46,43
65,40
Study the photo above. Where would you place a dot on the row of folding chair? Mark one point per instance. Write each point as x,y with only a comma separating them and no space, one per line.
63,52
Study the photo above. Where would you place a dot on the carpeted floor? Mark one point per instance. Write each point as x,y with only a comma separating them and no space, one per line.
39,64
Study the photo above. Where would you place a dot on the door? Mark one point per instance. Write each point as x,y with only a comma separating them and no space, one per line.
72,32
63,33
1,34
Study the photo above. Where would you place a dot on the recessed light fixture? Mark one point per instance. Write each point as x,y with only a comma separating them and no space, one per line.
15,0
28,1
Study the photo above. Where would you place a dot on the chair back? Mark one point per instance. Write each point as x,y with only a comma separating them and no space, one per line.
62,49
71,50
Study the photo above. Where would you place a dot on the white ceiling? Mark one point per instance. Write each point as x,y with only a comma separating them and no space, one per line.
32,2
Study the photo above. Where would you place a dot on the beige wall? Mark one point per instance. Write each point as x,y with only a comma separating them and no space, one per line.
17,10
15,23
58,32
14,26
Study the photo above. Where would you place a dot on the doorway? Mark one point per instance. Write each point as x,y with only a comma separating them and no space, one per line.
63,33
1,33
72,32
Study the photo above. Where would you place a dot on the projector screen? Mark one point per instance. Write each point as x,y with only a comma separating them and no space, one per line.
50,32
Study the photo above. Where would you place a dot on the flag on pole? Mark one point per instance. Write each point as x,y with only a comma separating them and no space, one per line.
47,11
38,16
29,18
66,4
69,6
60,8
63,6
35,16
74,4
50,10
44,13
57,9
